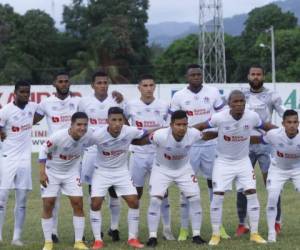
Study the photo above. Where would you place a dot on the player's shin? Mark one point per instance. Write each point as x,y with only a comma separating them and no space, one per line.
115,207
184,212
3,202
47,225
273,196
133,222
19,212
216,208
165,213
154,216
195,214
96,221
78,224
253,209
55,215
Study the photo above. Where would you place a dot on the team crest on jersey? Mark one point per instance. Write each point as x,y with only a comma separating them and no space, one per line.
71,106
187,102
206,99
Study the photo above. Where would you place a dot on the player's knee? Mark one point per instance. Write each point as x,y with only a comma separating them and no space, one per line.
48,206
95,204
133,203
250,191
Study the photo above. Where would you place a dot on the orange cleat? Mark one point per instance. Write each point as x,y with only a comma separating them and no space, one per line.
241,230
135,243
98,244
278,228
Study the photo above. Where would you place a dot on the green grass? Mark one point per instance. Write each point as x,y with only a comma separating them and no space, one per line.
33,236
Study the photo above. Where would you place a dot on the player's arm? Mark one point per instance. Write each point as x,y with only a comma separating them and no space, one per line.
145,139
37,118
2,134
266,126
209,135
2,125
117,96
44,153
277,104
202,126
255,139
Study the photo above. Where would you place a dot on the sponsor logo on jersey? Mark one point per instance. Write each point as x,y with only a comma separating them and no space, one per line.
22,128
49,144
235,138
174,157
114,153
63,118
139,124
288,155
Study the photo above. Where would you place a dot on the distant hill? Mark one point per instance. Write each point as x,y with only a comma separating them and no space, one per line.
165,33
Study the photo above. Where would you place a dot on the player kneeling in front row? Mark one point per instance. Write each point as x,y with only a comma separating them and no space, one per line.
173,145
285,163
233,163
60,159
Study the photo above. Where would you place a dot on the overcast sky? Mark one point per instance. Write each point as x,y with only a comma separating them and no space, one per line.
160,10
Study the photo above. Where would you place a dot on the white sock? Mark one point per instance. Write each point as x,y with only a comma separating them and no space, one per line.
273,196
153,216
114,206
216,208
96,221
133,223
20,212
184,211
47,225
195,214
78,224
253,211
55,214
3,202
165,213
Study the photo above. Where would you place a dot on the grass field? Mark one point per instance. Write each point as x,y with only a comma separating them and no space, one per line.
33,236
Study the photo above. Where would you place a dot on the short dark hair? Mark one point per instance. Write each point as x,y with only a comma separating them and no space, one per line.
235,92
146,77
99,73
178,114
115,110
78,115
21,83
62,73
193,66
258,66
289,112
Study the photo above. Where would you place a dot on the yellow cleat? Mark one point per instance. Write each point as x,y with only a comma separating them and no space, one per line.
183,234
224,234
255,237
215,240
80,245
48,245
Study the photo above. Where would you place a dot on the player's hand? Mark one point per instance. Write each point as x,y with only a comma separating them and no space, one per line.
118,96
2,136
44,179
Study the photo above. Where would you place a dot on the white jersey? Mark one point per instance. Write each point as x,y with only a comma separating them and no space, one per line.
62,153
58,112
287,151
17,124
263,103
146,116
172,154
234,135
199,106
112,152
97,110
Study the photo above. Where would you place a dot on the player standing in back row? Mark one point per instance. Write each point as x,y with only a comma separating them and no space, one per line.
16,119
147,112
200,102
263,101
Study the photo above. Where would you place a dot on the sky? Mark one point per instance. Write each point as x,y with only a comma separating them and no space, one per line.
159,11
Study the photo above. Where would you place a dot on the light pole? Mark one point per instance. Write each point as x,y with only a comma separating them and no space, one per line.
272,48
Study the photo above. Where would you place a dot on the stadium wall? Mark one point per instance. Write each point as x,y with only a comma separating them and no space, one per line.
289,93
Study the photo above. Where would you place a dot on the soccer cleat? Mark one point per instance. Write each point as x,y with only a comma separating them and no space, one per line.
17,243
241,229
198,240
215,240
272,237
80,245
48,245
135,243
224,234
278,227
183,234
54,238
255,237
98,244
114,234
152,242
167,234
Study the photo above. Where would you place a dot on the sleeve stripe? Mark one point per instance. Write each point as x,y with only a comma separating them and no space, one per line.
221,106
42,160
261,126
